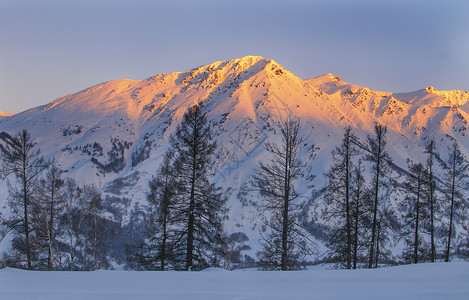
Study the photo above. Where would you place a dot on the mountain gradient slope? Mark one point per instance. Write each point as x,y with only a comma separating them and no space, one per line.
114,134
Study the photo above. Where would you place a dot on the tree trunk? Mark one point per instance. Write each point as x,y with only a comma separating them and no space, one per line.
95,240
375,211
417,220
165,230
347,208
432,216
357,210
27,246
163,247
430,149
453,179
70,234
284,263
190,224
377,243
50,263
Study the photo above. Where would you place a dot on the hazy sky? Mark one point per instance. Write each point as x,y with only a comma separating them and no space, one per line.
52,48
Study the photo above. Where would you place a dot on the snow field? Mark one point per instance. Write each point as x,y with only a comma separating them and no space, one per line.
423,281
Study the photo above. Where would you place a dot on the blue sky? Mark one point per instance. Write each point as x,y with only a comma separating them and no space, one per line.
52,48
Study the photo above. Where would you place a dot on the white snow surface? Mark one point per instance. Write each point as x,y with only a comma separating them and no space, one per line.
423,281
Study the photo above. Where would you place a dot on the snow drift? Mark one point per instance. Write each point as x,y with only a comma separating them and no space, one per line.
425,281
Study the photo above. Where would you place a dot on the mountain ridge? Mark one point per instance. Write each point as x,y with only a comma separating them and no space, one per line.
118,131
4,114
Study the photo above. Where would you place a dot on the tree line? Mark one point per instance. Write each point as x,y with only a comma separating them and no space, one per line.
57,224
365,219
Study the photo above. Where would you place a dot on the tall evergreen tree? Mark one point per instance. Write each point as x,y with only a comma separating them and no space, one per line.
155,251
379,158
457,168
200,205
49,196
276,182
71,221
360,213
161,196
385,230
413,207
431,201
24,161
339,196
95,234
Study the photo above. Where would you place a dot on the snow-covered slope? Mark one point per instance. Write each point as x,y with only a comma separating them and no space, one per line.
115,133
416,115
423,281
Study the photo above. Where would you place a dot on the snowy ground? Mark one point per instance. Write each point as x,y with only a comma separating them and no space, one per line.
426,281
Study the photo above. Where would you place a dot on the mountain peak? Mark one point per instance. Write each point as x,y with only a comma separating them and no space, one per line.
431,90
250,59
333,77
239,65
326,78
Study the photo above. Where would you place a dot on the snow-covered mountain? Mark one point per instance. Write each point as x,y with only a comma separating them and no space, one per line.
114,134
